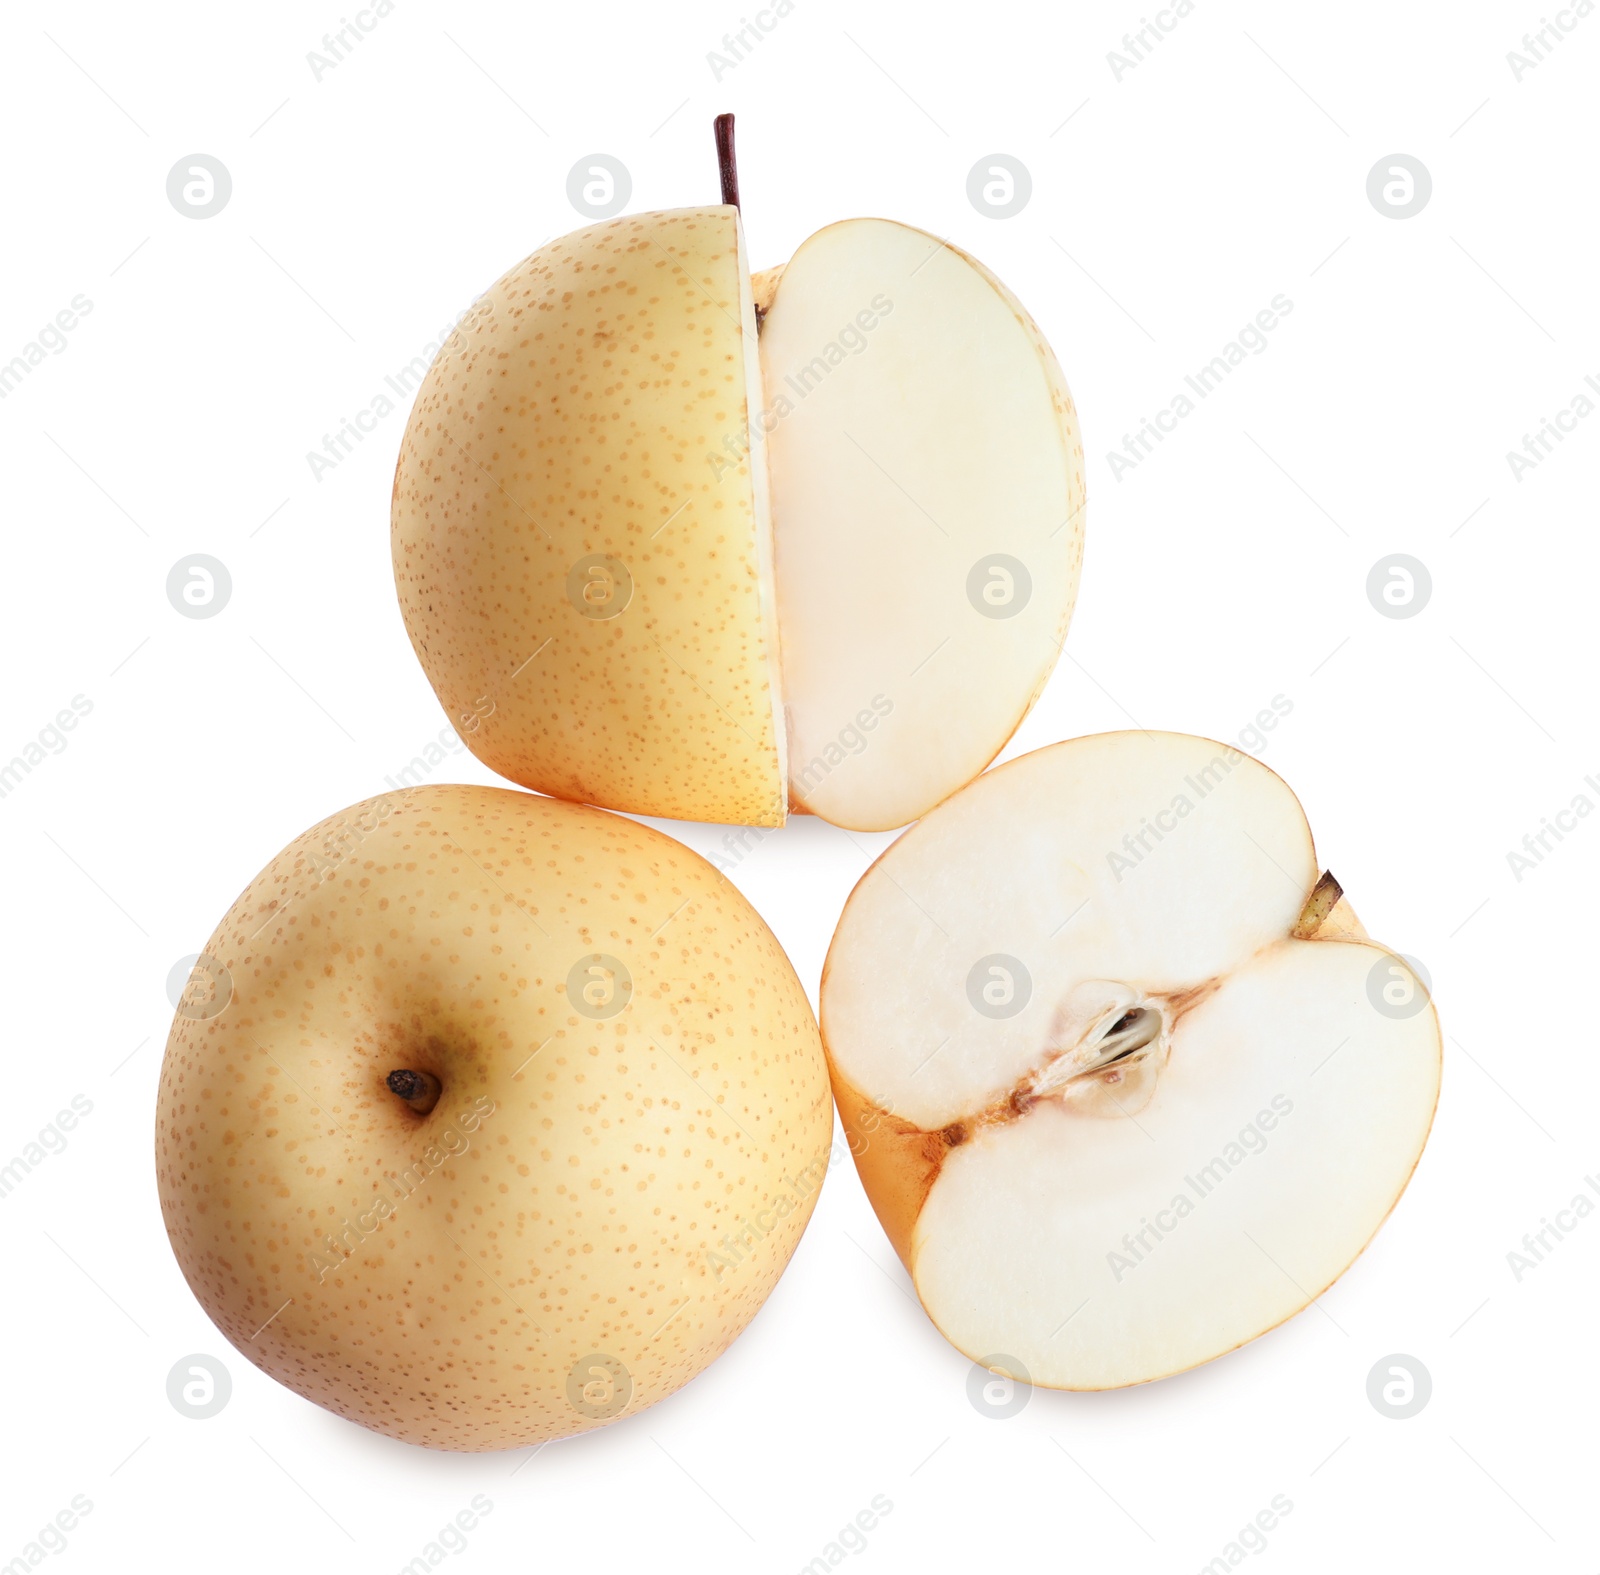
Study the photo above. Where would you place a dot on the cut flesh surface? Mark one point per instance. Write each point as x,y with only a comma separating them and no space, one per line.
1193,1123
927,487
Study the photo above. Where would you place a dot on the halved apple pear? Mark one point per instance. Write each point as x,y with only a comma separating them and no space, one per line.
1126,1082
653,562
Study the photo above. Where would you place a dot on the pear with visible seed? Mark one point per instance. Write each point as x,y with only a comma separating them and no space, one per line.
1126,1082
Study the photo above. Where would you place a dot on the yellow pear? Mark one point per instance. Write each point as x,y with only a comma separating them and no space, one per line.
486,1118
679,543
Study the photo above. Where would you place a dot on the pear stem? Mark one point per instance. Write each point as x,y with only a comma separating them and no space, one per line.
420,1090
727,166
1323,900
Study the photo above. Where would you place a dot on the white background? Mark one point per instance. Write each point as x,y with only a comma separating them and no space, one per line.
1168,208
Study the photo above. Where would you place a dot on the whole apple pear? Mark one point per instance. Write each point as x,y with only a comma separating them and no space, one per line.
487,1119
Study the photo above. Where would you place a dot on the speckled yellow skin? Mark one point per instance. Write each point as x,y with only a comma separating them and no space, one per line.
630,1187
577,412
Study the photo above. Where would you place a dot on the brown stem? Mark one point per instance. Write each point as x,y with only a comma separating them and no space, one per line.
727,167
1323,900
420,1090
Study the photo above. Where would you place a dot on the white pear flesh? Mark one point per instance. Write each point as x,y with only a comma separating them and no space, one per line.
921,446
1107,1224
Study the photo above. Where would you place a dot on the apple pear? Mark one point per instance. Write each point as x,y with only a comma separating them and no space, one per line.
678,541
1125,1081
487,1118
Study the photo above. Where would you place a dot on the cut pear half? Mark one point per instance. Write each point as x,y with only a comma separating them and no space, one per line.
927,483
1126,1083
